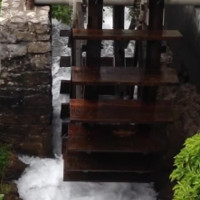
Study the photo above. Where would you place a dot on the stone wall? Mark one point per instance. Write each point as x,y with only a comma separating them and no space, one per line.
25,78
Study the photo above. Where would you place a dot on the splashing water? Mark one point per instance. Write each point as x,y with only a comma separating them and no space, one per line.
43,178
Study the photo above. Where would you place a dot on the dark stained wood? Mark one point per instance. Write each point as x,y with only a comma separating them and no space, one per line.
104,162
119,111
65,33
109,177
156,8
65,61
105,61
65,86
119,46
109,61
65,129
93,53
122,76
65,111
30,4
88,34
64,144
110,139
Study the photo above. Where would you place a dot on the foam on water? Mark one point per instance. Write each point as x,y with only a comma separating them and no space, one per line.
43,178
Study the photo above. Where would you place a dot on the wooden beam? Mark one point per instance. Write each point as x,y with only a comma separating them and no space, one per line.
30,4
118,23
93,54
156,10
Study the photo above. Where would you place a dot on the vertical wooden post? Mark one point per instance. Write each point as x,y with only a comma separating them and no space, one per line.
30,4
118,23
94,22
156,8
93,54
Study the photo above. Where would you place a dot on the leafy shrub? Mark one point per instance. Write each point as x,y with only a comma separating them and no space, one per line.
187,171
62,13
1,196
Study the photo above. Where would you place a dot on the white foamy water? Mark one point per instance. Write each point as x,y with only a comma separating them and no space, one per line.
43,178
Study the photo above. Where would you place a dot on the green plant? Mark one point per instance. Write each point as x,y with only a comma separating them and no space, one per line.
187,172
4,159
62,13
1,196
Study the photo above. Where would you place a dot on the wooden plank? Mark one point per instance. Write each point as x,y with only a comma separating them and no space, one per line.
64,129
65,61
122,76
113,139
93,54
153,50
119,46
65,111
120,111
102,162
97,34
65,87
65,33
108,177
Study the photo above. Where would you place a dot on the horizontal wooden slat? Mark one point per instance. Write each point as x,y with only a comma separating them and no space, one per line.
109,177
102,162
126,76
65,33
119,111
86,34
65,86
64,129
108,61
65,61
65,111
119,139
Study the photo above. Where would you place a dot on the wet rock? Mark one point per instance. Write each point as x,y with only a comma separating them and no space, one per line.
25,36
25,78
13,193
6,37
39,47
12,50
45,37
15,168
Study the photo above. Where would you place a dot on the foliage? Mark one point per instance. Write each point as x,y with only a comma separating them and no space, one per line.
4,159
62,13
187,171
1,196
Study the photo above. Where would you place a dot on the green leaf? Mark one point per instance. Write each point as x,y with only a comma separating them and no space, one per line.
186,174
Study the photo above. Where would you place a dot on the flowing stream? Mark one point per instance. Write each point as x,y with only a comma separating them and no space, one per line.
43,178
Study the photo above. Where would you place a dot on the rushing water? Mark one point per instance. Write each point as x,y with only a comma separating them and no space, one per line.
43,178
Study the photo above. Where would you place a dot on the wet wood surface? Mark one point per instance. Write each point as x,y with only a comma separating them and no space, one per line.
116,139
119,111
65,61
104,162
108,177
65,33
96,34
118,76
